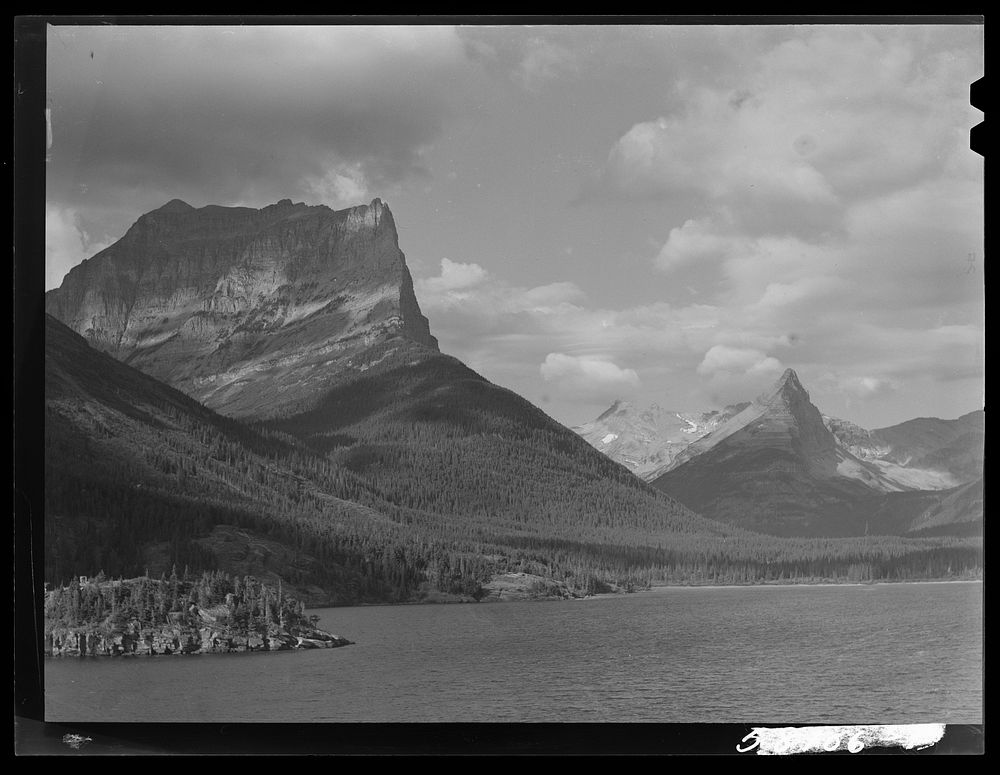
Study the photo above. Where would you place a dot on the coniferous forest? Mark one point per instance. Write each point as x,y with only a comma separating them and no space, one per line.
182,614
248,604
423,479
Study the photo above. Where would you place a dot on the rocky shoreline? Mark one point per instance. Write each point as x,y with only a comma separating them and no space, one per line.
212,614
166,641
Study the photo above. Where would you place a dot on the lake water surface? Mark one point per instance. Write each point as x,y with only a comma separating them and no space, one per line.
885,653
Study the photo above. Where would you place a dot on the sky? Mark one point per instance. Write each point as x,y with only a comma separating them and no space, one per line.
659,214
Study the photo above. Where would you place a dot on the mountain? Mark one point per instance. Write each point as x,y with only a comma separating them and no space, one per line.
647,441
926,453
781,467
349,434
959,511
423,482
139,476
782,419
954,512
251,312
309,430
776,467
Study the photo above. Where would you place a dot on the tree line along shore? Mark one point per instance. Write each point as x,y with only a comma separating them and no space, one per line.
179,614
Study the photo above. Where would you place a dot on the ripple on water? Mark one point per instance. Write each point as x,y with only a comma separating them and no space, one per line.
899,653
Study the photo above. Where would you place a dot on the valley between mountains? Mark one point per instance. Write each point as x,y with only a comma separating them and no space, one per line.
256,392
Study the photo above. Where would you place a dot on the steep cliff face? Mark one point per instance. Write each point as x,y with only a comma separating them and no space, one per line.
859,441
926,453
210,300
952,446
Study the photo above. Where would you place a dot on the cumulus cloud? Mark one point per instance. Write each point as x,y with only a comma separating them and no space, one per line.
811,186
739,360
820,120
867,387
468,288
588,377
827,195
455,276
341,185
735,374
504,331
830,182
697,241
820,200
67,243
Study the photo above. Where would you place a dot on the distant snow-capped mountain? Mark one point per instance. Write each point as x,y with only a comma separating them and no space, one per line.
777,465
647,441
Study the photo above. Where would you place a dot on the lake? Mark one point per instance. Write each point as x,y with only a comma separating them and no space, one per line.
884,653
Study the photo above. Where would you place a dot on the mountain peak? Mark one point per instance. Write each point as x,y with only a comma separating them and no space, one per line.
175,206
787,387
617,407
789,378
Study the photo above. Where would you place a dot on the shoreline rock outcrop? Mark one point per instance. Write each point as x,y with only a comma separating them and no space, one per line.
145,617
168,641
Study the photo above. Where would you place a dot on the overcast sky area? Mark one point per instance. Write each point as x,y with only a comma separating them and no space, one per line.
661,214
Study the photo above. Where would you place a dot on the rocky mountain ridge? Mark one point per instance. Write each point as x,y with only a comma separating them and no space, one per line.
920,454
780,467
207,299
926,453
648,440
324,438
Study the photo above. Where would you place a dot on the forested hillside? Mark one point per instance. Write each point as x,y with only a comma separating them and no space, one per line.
426,479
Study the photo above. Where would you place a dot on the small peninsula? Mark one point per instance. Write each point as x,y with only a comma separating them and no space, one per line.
214,613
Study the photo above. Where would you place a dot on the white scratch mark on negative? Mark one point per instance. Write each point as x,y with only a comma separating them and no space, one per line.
76,741
792,740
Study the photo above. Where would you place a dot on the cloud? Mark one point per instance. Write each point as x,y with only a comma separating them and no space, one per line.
244,114
66,244
455,276
813,186
470,290
804,217
537,56
867,387
341,185
544,61
827,117
698,355
738,360
696,241
735,374
504,330
802,293
587,378
727,155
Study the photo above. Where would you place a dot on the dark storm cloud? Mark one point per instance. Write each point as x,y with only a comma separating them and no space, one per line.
235,114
